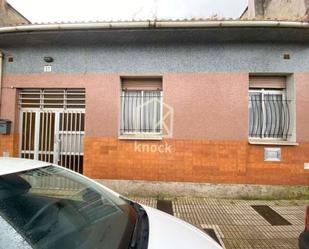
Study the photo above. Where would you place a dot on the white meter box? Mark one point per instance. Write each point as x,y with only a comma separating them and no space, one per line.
272,154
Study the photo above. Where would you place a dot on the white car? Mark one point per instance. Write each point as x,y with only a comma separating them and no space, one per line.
47,206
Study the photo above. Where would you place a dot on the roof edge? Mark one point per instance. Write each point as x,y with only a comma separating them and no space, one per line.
155,24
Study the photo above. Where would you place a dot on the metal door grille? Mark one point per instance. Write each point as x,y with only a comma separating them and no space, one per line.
52,98
52,125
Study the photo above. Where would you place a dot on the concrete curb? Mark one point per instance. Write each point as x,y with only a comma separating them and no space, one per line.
209,190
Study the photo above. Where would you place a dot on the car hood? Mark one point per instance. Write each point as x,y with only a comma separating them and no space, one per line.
168,232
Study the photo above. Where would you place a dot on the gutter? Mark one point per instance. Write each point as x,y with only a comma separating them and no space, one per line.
154,24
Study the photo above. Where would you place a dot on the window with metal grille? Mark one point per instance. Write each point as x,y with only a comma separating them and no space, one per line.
269,109
141,106
52,98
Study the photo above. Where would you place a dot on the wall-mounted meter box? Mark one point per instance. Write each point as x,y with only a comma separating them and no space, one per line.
5,126
272,154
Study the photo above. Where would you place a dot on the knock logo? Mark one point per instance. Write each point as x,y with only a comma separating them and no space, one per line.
153,148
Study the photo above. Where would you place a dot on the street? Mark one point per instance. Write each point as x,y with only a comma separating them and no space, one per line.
237,224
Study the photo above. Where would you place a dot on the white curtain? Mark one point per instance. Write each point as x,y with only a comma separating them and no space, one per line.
141,111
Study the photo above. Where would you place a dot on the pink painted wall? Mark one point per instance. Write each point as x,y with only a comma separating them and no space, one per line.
302,106
102,105
8,104
102,97
212,106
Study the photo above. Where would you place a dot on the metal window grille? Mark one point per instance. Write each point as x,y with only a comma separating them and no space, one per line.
52,98
141,112
269,114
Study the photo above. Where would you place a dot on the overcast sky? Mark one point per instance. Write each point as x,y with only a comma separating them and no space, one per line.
100,10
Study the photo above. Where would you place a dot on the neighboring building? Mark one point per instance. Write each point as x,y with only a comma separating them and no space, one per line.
233,96
10,16
277,9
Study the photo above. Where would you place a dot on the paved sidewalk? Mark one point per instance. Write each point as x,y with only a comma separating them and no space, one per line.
237,224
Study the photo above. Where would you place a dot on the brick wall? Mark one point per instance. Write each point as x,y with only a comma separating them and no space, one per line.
9,143
186,161
194,161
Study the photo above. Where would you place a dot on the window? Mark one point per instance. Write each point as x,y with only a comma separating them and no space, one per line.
270,112
141,107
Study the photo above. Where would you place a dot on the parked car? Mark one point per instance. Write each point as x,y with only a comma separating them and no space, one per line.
304,236
48,206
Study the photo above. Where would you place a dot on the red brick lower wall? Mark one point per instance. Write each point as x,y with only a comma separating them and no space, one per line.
193,161
186,161
9,144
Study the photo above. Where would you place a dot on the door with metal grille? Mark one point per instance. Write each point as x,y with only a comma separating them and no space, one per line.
52,125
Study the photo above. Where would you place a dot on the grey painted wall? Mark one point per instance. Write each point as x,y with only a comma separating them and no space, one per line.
155,58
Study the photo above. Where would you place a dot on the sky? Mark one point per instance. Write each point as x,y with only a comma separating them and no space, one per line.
41,11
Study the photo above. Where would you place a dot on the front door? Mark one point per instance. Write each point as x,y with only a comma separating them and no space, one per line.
52,125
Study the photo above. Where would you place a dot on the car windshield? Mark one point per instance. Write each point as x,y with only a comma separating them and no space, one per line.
52,207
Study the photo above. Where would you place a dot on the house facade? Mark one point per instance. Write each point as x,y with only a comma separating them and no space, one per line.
192,101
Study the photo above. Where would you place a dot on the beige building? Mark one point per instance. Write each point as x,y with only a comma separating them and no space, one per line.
10,16
277,9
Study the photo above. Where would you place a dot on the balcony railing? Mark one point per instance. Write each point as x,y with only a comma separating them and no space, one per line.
270,116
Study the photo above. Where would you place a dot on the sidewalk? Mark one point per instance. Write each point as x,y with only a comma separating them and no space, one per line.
237,224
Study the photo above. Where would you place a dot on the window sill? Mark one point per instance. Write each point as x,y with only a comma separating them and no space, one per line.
140,137
272,142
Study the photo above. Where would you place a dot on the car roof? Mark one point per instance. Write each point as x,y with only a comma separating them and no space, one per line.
9,165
